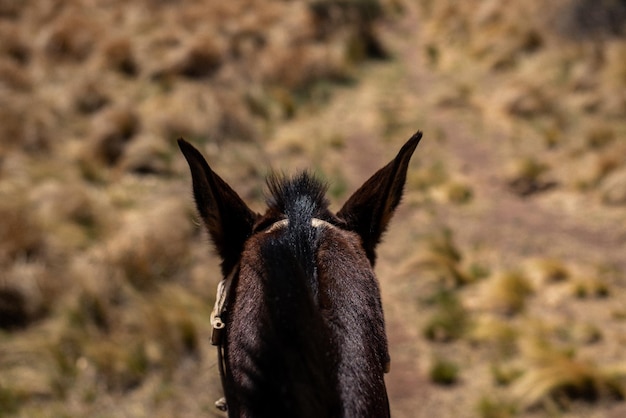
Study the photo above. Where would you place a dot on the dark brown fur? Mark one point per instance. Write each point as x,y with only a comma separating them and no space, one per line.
305,333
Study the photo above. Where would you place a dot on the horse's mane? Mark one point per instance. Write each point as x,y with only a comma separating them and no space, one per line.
302,196
294,346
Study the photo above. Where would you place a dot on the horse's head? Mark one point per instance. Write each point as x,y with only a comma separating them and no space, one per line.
300,305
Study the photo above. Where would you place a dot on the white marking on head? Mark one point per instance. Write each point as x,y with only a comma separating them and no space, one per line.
315,223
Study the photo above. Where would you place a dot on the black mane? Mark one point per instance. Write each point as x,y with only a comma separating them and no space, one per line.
295,340
299,198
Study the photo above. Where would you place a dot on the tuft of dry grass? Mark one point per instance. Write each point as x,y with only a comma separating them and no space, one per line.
506,292
172,334
72,215
32,290
590,287
424,178
25,125
444,259
545,271
450,320
587,19
118,54
13,77
13,310
200,59
90,97
495,333
14,45
193,114
112,131
580,334
21,236
490,407
71,38
558,376
10,401
147,154
444,372
92,311
528,176
505,374
527,102
153,247
599,136
458,193
120,367
613,189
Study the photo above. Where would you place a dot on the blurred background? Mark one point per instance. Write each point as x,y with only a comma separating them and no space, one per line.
503,273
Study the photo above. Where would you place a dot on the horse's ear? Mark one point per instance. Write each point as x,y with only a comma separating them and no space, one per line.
369,209
227,218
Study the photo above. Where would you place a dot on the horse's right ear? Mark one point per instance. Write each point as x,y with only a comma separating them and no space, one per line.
227,218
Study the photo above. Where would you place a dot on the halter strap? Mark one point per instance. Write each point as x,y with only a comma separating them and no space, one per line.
223,290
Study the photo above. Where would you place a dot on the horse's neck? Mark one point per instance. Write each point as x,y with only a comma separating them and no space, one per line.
357,325
307,333
279,350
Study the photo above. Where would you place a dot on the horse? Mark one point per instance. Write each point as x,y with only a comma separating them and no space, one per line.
298,319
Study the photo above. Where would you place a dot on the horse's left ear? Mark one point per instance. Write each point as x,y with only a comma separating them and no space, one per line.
368,211
227,218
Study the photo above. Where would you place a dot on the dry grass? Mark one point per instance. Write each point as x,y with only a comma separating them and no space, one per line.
590,287
506,292
491,408
106,282
528,176
449,322
547,271
21,235
444,372
444,259
500,336
557,376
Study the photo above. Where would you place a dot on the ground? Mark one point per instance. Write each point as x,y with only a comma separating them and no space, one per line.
503,279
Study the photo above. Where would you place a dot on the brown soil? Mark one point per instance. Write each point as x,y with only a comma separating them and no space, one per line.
523,130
